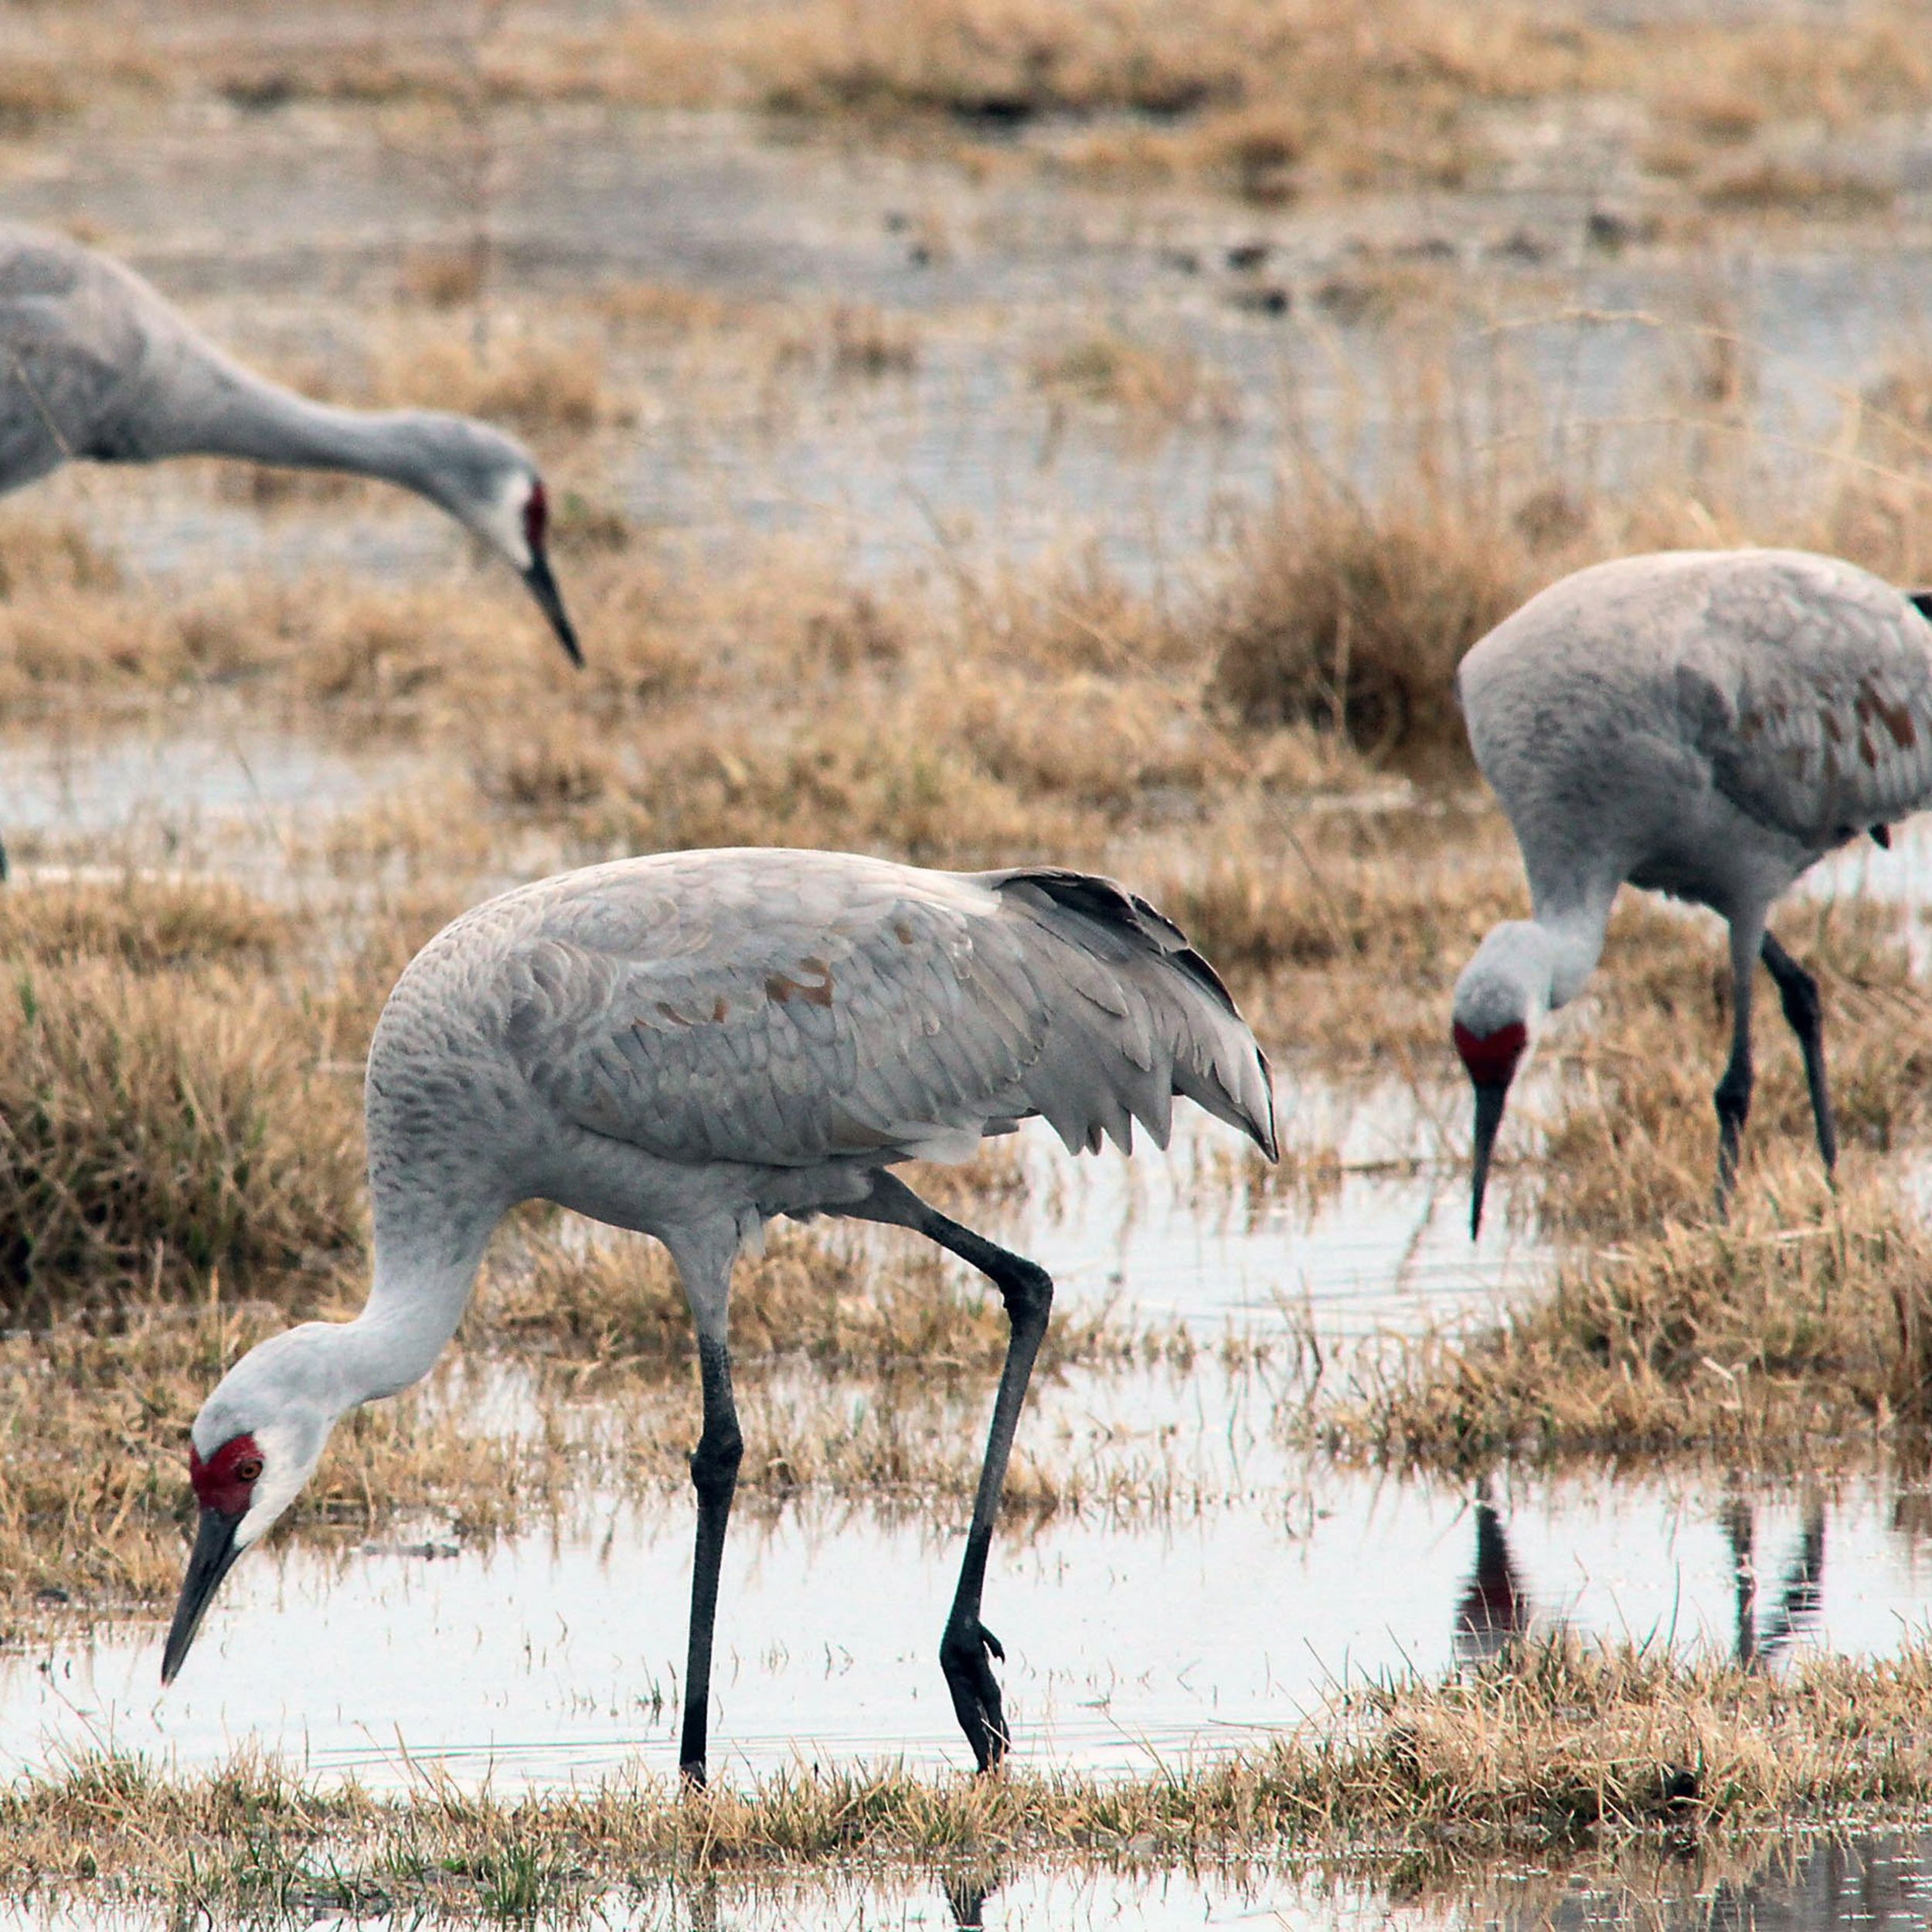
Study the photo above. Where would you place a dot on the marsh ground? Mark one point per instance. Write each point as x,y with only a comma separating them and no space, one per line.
980,432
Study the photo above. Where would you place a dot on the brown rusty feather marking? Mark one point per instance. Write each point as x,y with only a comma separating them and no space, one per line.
1872,709
720,1010
1897,719
818,992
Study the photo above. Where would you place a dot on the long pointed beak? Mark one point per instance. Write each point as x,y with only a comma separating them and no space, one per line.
1490,1099
550,602
211,1558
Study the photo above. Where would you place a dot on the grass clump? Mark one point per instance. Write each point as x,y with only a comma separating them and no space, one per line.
1105,369
158,1128
1354,618
1556,1748
536,383
1806,1315
148,925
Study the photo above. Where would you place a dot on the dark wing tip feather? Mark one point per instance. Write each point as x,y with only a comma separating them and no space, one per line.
1110,905
1920,601
1134,924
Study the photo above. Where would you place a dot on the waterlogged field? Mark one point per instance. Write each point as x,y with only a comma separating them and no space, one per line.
978,433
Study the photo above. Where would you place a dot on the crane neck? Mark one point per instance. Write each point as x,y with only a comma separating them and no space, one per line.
421,1286
217,408
1575,933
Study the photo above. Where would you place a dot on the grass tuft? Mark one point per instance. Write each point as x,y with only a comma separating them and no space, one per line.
155,1129
1353,618
148,925
1806,1315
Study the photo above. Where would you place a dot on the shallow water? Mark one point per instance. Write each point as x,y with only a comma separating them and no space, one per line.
1130,1644
224,791
1378,1242
1875,1882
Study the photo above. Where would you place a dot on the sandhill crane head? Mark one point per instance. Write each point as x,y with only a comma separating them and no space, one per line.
489,483
255,1442
1501,999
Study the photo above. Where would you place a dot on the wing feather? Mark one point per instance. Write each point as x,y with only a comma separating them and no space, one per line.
785,1008
1819,724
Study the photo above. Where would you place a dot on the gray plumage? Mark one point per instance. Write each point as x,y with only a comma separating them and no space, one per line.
691,1045
95,366
1705,723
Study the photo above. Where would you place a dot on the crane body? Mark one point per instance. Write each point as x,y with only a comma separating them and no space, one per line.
690,1045
1705,724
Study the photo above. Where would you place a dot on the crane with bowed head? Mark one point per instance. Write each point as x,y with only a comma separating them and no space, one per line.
1704,723
691,1045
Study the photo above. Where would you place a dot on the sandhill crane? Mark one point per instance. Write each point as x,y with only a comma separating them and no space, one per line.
96,366
693,1043
1707,724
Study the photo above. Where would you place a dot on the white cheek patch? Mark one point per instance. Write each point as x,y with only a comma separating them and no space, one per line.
502,523
287,1465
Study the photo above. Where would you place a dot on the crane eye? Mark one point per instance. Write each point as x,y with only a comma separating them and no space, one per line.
248,1468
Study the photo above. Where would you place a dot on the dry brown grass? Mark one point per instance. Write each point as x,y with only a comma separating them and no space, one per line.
161,1128
540,382
1139,382
1552,1750
616,1306
38,554
148,925
1259,96
1808,1314
1771,185
1356,619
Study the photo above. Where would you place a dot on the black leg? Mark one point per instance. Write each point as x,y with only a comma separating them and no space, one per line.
967,1648
714,1474
1797,992
1732,1097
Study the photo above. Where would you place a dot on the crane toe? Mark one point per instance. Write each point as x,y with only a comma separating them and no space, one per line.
964,1652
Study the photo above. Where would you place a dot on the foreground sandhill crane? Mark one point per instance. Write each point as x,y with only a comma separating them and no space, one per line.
1707,724
691,1045
95,366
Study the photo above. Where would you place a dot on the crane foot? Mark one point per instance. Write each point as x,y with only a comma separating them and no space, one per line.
963,1654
